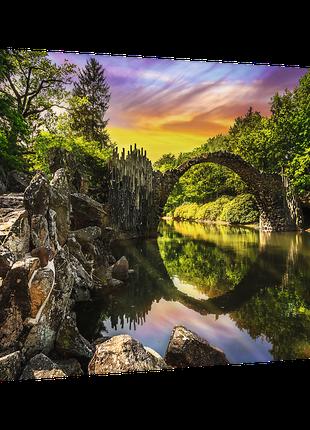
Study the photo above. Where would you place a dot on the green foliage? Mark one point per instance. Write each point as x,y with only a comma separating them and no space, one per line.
166,162
202,183
212,210
86,152
91,96
209,257
186,211
280,143
241,210
9,159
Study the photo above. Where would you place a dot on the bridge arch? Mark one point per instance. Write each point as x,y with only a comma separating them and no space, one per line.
278,206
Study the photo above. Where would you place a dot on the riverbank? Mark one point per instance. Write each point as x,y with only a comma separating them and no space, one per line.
226,210
217,222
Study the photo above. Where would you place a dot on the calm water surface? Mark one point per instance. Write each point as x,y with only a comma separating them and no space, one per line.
245,291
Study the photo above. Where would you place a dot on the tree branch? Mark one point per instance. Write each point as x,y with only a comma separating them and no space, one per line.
14,90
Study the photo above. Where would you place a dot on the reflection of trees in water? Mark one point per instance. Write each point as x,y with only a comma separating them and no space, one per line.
215,263
281,312
266,291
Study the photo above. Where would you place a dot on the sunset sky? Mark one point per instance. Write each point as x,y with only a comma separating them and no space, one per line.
173,105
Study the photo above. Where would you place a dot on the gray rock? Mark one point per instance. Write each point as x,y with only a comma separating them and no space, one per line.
87,234
83,283
123,354
17,181
42,335
187,349
70,367
114,283
16,232
76,250
70,343
42,367
7,260
12,200
10,366
60,203
87,212
120,269
39,231
40,286
14,305
37,195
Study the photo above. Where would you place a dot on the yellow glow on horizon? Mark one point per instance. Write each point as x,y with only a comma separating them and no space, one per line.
156,143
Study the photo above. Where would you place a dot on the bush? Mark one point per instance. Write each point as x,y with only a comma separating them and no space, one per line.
186,211
212,210
86,152
241,210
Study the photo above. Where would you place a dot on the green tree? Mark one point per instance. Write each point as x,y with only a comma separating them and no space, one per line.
91,96
30,86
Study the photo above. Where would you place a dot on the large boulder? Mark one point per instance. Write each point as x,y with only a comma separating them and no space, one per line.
10,366
15,232
123,354
71,367
7,260
187,349
70,343
42,335
87,212
40,286
14,304
60,203
39,231
37,195
120,269
82,281
87,234
42,367
76,250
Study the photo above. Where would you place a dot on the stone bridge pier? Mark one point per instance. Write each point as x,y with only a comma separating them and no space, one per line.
279,208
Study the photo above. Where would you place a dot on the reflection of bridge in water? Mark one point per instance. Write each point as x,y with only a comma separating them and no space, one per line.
152,282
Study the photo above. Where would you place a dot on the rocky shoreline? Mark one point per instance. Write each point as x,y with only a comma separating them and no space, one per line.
55,252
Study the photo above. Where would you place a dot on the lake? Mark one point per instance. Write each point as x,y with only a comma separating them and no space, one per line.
247,292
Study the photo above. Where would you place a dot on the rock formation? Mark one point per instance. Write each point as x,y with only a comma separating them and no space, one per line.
187,349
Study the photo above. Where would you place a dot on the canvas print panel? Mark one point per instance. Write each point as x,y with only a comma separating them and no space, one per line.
154,214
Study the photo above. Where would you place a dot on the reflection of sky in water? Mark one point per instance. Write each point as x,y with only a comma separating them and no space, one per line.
188,289
223,333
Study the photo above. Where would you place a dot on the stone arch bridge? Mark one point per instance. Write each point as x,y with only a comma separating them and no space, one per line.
138,194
